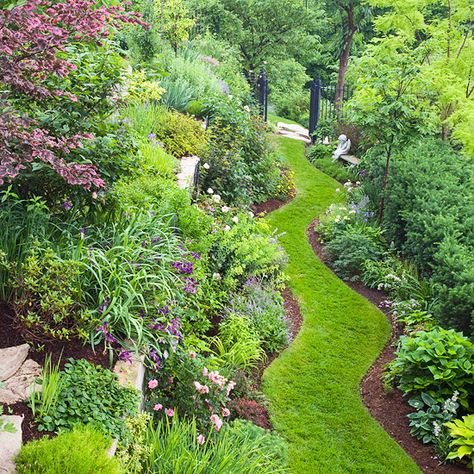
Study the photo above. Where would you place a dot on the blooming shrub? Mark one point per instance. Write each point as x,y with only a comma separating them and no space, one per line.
187,386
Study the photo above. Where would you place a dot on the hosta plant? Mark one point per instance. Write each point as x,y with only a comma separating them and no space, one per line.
438,362
462,432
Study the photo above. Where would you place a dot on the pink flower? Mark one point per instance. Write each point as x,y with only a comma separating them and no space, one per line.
216,421
216,378
201,388
192,355
153,384
230,387
158,407
205,372
201,439
225,412
169,412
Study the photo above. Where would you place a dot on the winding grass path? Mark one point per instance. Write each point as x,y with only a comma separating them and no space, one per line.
314,385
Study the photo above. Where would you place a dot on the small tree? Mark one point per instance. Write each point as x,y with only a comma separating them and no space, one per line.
175,22
33,41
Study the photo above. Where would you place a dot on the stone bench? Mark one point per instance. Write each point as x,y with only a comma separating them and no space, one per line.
351,159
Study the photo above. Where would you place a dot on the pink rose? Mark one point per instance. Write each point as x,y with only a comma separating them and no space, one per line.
169,412
230,387
201,388
158,407
192,355
226,412
216,421
201,439
205,372
153,384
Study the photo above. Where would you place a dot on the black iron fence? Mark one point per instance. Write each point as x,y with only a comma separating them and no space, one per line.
326,104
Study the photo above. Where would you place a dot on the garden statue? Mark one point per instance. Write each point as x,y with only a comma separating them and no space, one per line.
342,148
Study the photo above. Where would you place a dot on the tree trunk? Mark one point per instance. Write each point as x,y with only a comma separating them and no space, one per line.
384,184
344,59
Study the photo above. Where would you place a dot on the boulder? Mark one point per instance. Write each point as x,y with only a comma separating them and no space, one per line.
18,387
10,444
11,359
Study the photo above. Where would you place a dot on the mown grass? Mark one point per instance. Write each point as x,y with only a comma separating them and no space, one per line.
314,385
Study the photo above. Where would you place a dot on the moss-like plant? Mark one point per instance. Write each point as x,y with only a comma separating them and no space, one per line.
81,451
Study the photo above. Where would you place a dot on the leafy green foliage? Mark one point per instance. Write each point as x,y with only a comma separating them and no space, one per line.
264,310
426,423
321,156
88,393
352,247
80,451
47,297
462,432
438,362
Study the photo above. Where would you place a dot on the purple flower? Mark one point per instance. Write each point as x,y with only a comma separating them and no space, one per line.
362,173
83,231
155,240
125,356
143,243
191,285
67,205
110,339
196,256
155,358
164,310
103,306
156,326
152,136
185,268
126,121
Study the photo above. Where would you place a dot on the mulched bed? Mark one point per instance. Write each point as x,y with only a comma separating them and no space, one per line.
390,409
59,351
264,208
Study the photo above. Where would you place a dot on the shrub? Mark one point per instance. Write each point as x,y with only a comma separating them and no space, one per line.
87,393
351,248
180,135
265,312
175,450
428,215
48,296
190,385
80,451
438,362
462,433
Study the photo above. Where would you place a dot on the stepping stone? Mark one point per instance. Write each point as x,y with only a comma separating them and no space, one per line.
11,359
19,387
295,131
187,172
10,444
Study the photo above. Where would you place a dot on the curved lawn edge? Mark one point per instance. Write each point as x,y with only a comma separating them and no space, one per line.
314,386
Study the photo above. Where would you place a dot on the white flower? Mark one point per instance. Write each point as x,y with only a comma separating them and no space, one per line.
225,209
206,166
347,184
352,211
357,183
216,276
337,219
338,190
235,219
231,97
210,191
226,228
251,214
247,108
216,198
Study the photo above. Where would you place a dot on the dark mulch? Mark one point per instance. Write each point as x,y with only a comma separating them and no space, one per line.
390,409
59,351
264,208
292,313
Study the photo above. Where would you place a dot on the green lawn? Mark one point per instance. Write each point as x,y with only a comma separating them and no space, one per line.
314,385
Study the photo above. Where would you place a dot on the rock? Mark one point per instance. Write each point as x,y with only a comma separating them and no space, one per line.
18,387
11,359
187,172
10,444
295,131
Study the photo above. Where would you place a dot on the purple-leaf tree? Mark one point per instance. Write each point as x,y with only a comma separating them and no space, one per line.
33,39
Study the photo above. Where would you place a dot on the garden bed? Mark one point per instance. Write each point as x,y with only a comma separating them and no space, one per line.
389,408
59,352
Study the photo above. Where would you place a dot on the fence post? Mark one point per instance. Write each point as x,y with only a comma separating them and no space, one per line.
314,106
262,90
